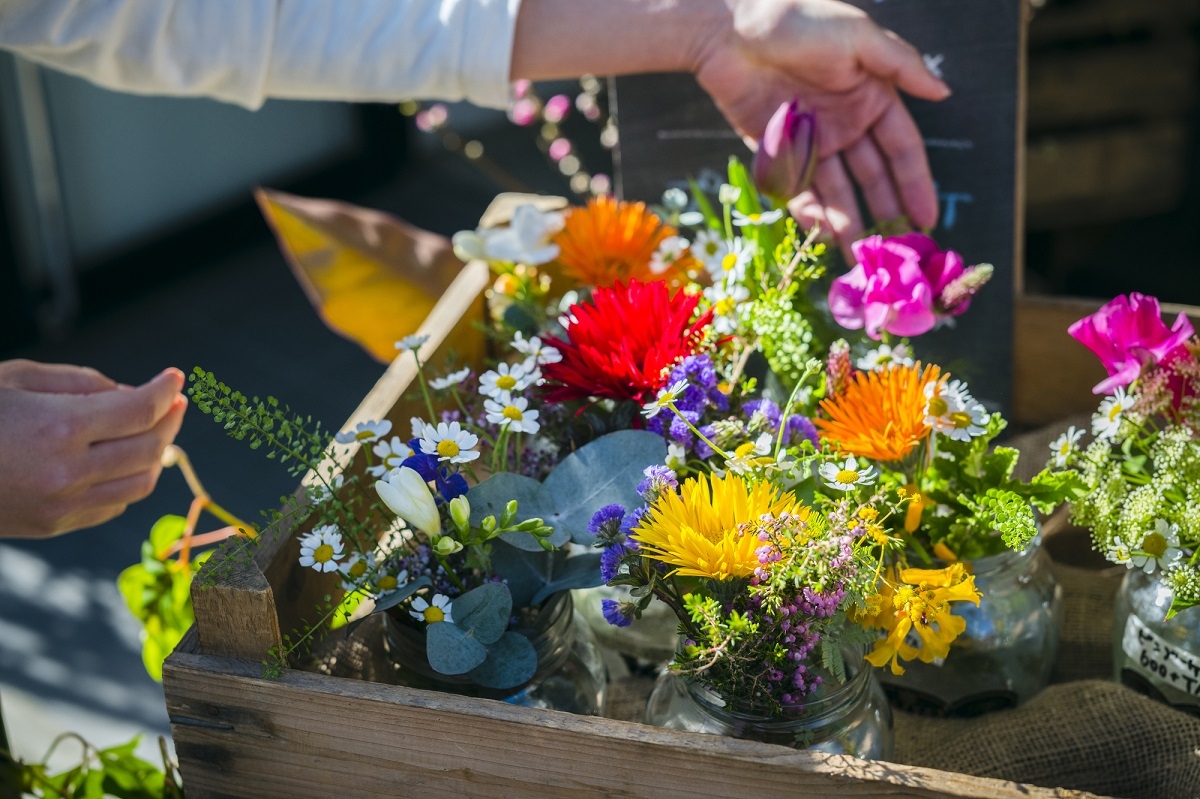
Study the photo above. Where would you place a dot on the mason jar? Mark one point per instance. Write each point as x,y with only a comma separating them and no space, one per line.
1006,653
570,675
1156,657
848,719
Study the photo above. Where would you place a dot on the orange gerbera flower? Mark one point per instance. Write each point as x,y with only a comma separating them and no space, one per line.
879,414
609,241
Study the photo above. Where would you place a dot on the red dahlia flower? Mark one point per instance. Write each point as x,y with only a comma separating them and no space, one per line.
622,343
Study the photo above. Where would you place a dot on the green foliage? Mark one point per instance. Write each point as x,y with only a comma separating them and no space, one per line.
157,592
784,334
295,440
114,772
478,643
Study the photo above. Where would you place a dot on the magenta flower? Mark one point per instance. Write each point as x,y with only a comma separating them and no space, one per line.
787,155
1128,333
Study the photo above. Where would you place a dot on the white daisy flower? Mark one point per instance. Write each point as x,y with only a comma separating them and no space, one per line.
387,583
725,297
732,265
505,377
391,454
418,427
752,455
450,442
676,456
967,423
511,412
1066,445
952,411
1111,414
710,247
438,610
1119,552
670,251
321,549
884,356
540,352
452,379
365,432
354,571
411,343
665,397
844,477
691,219
752,220
1159,547
321,493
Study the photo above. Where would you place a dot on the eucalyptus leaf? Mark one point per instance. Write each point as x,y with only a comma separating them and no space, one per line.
510,661
524,571
581,571
401,593
483,612
605,471
451,650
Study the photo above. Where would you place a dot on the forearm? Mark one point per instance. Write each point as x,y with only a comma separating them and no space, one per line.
567,38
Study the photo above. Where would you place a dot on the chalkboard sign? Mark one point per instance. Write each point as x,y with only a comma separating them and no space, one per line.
670,129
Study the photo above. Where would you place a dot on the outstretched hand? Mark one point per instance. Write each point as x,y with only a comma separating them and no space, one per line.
76,448
849,70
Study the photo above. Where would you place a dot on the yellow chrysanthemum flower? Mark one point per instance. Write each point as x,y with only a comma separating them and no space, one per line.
920,601
697,530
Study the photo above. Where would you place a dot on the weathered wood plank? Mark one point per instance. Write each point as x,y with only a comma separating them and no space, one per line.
235,615
306,735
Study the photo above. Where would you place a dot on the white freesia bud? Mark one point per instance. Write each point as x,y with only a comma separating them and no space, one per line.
409,497
460,512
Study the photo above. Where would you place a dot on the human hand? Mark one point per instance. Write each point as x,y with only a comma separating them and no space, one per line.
75,447
846,68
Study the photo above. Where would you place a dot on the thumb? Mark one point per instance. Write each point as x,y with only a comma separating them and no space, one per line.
61,378
888,57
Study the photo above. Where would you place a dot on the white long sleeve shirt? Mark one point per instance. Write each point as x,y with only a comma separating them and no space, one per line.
244,51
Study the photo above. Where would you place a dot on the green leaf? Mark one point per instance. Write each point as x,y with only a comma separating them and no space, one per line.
711,218
450,650
166,531
998,465
510,661
483,612
581,571
525,572
602,472
402,593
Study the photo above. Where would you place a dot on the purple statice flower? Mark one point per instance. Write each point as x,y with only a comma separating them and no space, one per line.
704,451
702,391
800,428
659,480
633,519
769,410
618,614
610,561
679,430
606,522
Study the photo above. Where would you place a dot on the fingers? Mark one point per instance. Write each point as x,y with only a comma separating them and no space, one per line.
901,144
122,457
887,56
119,414
874,178
57,378
833,186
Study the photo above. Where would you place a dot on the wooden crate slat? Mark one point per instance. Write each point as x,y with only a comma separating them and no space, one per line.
1092,19
308,735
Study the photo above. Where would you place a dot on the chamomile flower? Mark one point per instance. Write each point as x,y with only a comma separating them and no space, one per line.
391,454
732,265
511,412
387,583
710,247
365,432
666,396
452,379
411,343
752,455
450,442
537,350
676,456
354,571
966,423
725,297
952,411
321,549
753,220
670,251
438,610
884,356
323,493
1111,414
1119,552
845,476
1065,446
505,377
1159,548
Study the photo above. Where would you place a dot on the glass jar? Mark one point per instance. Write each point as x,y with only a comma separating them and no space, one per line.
570,676
1006,653
1158,658
850,719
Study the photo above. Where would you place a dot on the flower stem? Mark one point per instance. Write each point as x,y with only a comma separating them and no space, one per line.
700,435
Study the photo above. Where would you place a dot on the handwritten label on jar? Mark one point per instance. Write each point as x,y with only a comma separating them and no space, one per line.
1159,660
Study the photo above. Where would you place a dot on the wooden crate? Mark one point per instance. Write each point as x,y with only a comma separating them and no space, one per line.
303,734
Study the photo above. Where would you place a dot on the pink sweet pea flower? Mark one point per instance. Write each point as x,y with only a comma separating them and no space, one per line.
885,291
1128,333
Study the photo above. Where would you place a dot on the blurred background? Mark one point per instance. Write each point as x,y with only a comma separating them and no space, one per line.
129,242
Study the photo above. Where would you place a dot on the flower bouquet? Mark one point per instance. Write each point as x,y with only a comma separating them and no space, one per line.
1142,473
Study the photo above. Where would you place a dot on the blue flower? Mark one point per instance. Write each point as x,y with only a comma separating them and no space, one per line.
606,522
450,484
659,480
800,428
610,561
768,409
618,614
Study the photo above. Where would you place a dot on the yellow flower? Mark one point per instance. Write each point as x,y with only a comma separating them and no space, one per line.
920,601
698,529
